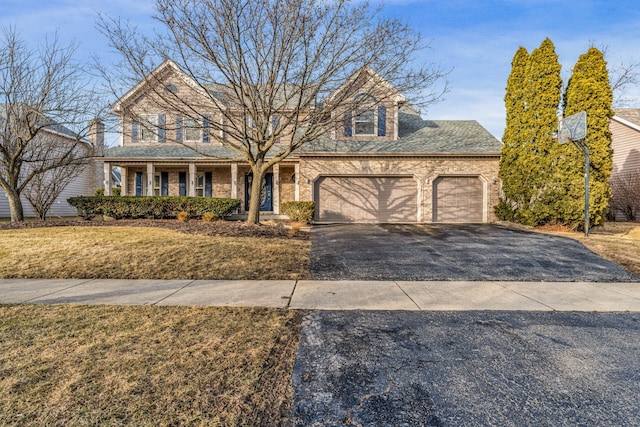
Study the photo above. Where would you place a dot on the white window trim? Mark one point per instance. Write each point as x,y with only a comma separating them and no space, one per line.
192,124
148,123
157,184
354,120
198,187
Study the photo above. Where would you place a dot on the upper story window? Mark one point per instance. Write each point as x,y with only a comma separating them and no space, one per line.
193,130
369,119
148,128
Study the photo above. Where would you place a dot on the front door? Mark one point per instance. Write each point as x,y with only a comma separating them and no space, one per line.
266,193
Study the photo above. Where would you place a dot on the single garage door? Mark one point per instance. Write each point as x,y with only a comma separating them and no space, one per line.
366,199
458,199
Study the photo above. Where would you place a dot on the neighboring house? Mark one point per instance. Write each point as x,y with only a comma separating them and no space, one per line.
386,165
625,142
83,185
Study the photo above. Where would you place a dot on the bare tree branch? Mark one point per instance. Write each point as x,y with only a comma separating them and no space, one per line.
251,60
43,100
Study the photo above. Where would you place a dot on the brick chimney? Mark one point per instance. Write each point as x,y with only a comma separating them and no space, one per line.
96,136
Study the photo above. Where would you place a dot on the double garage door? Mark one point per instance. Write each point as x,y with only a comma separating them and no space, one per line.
395,199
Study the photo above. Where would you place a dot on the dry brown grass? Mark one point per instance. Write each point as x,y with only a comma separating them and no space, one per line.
145,366
615,241
127,252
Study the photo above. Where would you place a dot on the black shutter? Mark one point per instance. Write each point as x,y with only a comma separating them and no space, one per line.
206,127
179,129
161,128
347,124
182,183
382,120
164,183
134,132
138,183
208,181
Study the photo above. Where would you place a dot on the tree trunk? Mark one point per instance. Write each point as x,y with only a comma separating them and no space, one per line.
15,206
253,216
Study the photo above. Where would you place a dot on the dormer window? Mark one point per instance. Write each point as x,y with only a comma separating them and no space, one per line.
369,119
364,122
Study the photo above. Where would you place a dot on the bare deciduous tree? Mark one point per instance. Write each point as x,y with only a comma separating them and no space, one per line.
42,93
45,187
625,194
263,59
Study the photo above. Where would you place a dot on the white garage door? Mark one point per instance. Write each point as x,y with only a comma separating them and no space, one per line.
458,199
366,199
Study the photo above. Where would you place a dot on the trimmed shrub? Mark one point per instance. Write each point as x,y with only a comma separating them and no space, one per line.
162,207
299,211
183,216
209,216
99,192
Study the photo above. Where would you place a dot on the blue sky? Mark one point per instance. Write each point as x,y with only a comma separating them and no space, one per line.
475,39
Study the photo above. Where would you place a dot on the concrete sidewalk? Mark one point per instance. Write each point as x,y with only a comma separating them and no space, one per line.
331,295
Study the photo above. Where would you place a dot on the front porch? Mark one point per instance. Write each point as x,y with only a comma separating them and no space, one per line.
205,179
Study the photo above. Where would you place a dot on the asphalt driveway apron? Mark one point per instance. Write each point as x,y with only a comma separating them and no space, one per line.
403,368
452,252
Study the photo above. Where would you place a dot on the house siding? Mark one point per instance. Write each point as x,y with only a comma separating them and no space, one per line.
626,148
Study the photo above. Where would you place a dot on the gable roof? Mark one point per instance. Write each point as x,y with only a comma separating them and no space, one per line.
167,66
628,116
396,97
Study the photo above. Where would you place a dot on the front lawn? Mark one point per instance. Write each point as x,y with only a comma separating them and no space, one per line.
616,241
146,366
152,250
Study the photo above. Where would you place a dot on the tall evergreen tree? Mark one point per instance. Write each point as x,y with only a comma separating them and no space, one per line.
512,174
529,133
588,90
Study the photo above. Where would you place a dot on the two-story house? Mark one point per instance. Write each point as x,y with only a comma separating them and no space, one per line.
382,163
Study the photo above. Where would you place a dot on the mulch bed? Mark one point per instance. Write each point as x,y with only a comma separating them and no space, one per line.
214,228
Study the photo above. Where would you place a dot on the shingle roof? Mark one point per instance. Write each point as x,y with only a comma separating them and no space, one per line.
170,151
52,126
629,114
416,136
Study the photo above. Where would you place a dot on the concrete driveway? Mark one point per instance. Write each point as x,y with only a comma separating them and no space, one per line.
452,252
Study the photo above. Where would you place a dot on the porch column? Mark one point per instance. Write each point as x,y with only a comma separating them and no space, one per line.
123,181
107,179
275,191
296,171
234,181
150,172
192,180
